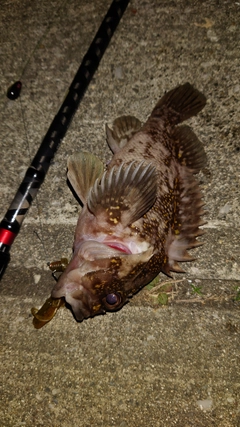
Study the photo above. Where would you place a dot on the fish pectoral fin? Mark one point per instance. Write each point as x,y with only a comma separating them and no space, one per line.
189,150
124,193
83,170
124,128
185,230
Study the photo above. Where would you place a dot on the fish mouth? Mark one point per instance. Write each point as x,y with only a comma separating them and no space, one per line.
128,247
118,246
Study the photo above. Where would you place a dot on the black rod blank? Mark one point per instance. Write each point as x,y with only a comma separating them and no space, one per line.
34,177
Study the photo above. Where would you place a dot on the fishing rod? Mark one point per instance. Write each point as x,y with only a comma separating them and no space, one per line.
34,177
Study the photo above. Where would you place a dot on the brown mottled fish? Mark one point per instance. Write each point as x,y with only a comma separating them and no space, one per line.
142,214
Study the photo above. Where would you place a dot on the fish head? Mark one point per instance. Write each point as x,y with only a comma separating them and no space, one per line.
100,278
109,251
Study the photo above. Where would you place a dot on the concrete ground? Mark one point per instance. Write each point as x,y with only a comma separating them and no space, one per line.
150,364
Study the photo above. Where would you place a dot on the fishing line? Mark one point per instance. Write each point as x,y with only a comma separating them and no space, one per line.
35,174
14,90
41,228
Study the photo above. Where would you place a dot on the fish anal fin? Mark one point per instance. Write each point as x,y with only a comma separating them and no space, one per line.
189,150
83,170
124,194
124,128
185,228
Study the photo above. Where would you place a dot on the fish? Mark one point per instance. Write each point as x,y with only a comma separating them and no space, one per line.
142,212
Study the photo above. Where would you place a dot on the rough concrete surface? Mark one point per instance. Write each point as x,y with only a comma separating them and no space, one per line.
148,364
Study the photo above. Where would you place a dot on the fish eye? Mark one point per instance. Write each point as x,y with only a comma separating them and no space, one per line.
112,300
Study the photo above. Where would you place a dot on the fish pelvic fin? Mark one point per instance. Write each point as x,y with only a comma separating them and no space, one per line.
185,228
179,104
83,170
124,128
188,149
124,194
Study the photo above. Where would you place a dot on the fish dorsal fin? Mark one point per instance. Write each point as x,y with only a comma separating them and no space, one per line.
124,128
124,193
185,229
189,150
83,170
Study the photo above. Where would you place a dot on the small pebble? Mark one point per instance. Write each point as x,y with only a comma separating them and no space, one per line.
37,277
205,405
212,36
118,72
225,209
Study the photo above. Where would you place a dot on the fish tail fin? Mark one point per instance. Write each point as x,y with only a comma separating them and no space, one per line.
179,104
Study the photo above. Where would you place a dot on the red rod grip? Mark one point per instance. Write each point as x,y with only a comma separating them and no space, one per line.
7,237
